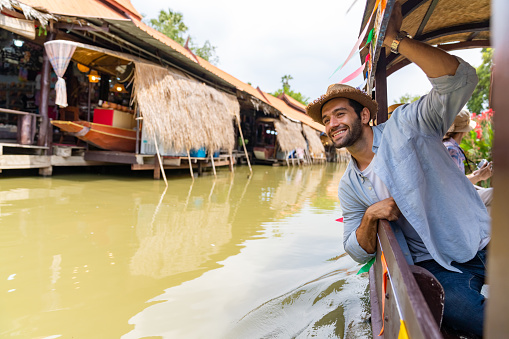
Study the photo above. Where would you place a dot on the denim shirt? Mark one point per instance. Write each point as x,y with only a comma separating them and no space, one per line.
437,200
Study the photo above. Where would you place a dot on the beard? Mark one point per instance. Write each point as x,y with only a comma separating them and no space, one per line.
351,136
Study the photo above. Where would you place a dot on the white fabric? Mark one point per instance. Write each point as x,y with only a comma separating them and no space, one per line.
59,55
380,189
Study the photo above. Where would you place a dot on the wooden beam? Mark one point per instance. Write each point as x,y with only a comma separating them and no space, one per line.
45,89
428,14
77,27
381,88
111,156
467,28
496,324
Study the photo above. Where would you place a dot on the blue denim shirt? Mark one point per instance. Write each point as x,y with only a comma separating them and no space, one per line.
436,199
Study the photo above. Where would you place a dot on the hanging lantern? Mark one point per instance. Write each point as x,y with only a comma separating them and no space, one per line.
119,88
94,77
83,68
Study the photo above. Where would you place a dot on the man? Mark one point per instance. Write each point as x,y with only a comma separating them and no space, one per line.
400,171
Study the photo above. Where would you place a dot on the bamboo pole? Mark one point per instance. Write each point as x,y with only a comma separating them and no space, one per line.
286,156
231,161
160,161
213,165
244,145
190,165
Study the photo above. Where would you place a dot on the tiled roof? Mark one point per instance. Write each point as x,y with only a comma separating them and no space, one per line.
85,8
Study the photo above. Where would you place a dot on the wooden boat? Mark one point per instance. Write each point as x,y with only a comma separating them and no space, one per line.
102,136
406,300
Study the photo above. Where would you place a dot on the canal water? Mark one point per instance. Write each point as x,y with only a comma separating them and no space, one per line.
115,256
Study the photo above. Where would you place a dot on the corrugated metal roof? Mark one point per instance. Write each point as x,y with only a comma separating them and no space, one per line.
81,8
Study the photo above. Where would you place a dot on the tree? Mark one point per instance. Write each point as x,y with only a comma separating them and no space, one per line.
172,25
407,98
480,98
285,79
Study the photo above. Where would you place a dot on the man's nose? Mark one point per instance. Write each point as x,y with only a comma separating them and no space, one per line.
334,121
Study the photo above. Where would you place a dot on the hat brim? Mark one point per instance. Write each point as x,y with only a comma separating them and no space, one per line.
314,109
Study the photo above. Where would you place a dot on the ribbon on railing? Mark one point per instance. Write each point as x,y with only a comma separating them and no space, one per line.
367,266
384,290
355,48
403,334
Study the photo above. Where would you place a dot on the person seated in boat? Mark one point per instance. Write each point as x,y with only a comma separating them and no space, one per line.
459,129
401,172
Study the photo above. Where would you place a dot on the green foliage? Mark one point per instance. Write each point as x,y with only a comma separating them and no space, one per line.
285,79
480,98
172,25
407,98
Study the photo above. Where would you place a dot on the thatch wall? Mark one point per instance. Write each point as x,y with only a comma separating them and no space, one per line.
314,142
182,112
289,134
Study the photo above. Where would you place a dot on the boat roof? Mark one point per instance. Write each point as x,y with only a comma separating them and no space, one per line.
449,24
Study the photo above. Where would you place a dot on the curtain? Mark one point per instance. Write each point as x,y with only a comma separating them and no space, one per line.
59,54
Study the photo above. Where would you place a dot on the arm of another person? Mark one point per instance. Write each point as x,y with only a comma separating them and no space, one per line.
453,81
361,223
483,173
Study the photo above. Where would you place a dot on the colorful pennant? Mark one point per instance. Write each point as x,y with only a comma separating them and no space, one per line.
384,290
367,266
403,334
340,219
353,75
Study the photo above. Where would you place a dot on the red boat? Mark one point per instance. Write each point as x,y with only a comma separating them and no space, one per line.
102,136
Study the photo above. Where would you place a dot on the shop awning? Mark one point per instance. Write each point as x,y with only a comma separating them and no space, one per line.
289,135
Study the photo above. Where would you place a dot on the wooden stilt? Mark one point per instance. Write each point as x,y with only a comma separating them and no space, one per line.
244,145
157,169
213,165
160,162
231,162
287,162
190,165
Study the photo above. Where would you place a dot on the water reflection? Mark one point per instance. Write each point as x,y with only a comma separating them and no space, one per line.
105,256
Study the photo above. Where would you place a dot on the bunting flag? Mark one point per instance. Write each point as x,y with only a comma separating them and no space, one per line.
355,48
384,290
340,219
353,75
403,334
367,266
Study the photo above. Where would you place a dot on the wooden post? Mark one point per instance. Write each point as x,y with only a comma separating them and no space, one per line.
213,165
137,129
160,161
25,129
244,145
190,165
231,161
496,324
43,108
287,162
381,88
157,169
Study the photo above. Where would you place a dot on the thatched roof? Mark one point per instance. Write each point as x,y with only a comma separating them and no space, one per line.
289,135
450,24
315,144
183,112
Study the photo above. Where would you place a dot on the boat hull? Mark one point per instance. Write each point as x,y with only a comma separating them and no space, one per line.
102,136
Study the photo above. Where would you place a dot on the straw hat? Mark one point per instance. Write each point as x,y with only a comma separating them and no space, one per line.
393,107
314,109
462,123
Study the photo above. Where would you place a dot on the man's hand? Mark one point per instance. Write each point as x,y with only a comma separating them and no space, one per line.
394,25
385,209
366,233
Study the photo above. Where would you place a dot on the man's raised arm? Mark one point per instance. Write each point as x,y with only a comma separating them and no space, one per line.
432,60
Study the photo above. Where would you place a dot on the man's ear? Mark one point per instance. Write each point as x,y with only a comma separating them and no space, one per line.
365,115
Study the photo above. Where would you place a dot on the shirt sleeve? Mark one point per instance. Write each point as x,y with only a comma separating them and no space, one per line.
353,212
435,112
457,157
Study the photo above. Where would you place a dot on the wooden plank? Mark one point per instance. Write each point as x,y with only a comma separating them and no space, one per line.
376,307
496,323
22,161
381,89
111,156
62,161
5,144
418,318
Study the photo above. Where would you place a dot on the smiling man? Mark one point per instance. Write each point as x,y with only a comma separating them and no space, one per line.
400,171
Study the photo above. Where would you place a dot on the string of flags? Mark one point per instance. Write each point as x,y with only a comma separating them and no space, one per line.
356,50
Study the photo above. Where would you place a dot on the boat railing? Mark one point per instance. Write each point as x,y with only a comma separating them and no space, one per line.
413,297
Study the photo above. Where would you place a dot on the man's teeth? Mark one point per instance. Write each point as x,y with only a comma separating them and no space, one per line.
339,132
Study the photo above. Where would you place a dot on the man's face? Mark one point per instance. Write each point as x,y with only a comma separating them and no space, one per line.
342,124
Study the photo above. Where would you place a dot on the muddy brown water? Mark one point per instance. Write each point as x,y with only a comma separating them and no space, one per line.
108,256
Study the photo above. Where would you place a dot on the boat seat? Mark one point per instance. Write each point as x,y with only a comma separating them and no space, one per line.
432,291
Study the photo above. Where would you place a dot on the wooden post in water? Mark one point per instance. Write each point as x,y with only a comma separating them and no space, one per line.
244,145
213,165
160,161
190,165
496,324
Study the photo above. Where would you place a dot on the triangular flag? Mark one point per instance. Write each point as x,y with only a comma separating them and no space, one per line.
403,334
353,75
367,266
340,219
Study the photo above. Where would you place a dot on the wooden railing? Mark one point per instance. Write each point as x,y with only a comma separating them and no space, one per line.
404,298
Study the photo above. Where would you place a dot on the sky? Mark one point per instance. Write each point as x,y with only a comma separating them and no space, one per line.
261,41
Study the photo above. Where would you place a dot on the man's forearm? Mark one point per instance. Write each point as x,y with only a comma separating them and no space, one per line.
432,60
366,233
